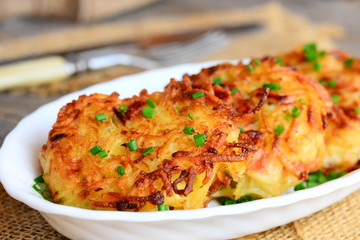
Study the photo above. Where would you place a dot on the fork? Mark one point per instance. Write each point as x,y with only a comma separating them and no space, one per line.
56,68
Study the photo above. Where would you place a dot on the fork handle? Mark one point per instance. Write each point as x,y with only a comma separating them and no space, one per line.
33,72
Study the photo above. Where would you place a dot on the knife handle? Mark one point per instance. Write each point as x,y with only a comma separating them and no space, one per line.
35,71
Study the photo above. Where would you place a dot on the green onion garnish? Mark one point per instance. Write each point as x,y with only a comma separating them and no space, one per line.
163,207
120,171
335,98
39,187
310,47
310,51
95,149
148,112
302,101
242,130
233,91
46,195
331,83
322,53
279,129
200,139
123,108
322,82
151,103
295,112
349,62
300,186
257,62
100,117
191,116
147,151
357,110
217,81
197,95
39,179
288,117
189,130
317,66
102,154
272,86
279,61
250,68
317,178
132,145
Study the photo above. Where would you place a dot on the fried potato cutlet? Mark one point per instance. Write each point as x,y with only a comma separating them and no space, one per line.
164,148
339,73
231,130
289,125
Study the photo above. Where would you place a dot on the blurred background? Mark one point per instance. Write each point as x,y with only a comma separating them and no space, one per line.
52,47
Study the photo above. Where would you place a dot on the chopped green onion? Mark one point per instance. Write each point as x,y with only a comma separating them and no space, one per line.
310,51
335,98
189,130
310,47
242,130
312,184
163,207
197,95
95,149
295,112
120,171
39,179
300,186
349,62
317,66
257,62
200,139
279,129
331,83
147,151
123,108
100,117
279,61
229,202
288,117
39,187
217,81
46,195
148,112
322,82
246,198
357,110
151,103
233,91
302,101
250,68
272,86
322,53
191,116
102,154
132,145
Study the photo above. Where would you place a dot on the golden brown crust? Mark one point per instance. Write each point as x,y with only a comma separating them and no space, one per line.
231,163
279,161
339,73
177,172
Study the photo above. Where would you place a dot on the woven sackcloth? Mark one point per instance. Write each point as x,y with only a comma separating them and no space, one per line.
341,221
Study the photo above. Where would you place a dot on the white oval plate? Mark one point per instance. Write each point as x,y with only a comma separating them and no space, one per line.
19,166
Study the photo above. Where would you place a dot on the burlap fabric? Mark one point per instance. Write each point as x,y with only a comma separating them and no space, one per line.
340,221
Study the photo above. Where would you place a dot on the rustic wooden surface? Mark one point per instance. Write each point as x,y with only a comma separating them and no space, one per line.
14,107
